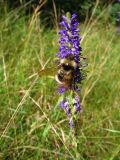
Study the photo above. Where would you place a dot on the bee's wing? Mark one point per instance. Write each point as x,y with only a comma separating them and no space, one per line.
51,71
47,72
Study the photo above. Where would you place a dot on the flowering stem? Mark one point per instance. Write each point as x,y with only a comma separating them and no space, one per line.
70,50
74,142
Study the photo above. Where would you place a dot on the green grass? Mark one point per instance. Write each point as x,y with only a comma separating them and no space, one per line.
32,126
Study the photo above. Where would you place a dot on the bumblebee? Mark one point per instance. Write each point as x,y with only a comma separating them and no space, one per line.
66,70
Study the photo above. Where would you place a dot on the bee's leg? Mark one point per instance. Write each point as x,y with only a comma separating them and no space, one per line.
58,80
81,57
56,61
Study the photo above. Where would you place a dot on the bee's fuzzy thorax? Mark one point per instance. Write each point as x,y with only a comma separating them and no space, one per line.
68,62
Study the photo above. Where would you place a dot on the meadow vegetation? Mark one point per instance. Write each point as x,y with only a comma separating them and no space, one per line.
32,125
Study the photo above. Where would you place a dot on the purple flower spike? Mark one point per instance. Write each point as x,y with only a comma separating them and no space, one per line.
69,38
70,45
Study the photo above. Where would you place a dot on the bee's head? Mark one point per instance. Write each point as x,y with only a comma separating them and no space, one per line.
68,65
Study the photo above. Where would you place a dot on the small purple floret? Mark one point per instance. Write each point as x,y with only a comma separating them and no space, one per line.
65,105
61,89
77,104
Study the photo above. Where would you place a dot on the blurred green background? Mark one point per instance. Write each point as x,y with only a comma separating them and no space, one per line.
32,125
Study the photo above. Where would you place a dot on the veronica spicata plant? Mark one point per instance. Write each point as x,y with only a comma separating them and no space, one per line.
70,45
